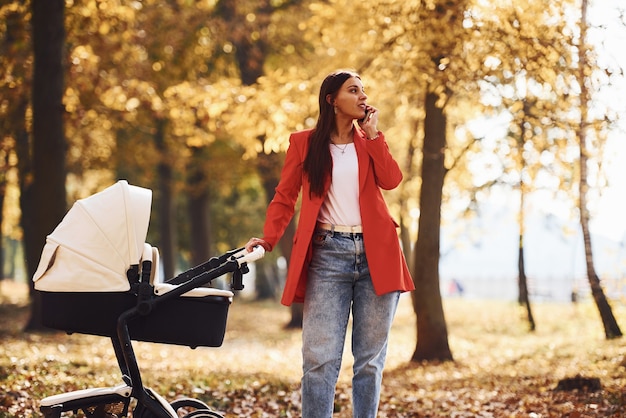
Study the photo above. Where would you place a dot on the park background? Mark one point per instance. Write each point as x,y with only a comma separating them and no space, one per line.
195,100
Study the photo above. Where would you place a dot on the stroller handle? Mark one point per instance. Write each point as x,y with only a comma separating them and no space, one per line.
243,256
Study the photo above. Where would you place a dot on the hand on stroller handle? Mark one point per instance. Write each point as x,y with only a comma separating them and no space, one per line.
243,256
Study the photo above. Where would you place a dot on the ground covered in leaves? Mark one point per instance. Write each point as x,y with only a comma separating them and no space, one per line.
499,369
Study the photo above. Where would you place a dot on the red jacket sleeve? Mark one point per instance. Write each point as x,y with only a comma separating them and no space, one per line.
386,170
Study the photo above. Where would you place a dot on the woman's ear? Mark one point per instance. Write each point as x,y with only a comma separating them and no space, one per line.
329,99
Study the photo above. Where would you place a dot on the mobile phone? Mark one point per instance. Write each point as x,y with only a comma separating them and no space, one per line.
364,118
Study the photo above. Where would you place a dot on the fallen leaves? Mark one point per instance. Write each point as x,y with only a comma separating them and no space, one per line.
500,369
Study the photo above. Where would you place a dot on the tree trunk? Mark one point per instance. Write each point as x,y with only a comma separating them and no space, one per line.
49,145
523,297
3,188
14,124
165,204
405,218
286,245
200,231
432,332
198,209
25,183
269,166
611,328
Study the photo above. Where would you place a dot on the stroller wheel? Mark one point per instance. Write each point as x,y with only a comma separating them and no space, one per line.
203,413
200,409
188,403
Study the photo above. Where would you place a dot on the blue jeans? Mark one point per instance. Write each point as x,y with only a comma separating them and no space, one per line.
339,282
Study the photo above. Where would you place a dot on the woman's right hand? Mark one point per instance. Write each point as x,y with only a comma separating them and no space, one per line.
253,242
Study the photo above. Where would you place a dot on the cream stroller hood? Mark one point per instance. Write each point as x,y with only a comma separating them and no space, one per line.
96,243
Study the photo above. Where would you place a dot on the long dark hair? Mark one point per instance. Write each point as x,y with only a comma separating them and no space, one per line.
318,162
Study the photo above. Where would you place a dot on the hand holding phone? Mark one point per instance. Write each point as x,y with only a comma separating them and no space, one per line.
369,121
364,118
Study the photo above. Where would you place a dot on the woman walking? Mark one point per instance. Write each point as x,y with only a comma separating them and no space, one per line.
346,256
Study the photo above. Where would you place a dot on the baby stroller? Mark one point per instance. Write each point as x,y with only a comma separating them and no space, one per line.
97,276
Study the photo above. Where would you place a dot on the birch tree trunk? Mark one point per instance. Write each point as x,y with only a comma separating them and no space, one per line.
611,328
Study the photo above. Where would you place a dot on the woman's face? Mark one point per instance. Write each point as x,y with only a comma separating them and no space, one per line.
351,99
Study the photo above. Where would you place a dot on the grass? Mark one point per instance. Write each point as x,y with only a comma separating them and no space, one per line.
500,369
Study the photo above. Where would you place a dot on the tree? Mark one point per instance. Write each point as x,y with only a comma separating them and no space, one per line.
432,342
154,90
611,328
521,80
15,73
514,47
522,280
251,52
47,195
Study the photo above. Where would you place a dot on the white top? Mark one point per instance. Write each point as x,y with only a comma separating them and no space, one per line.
341,206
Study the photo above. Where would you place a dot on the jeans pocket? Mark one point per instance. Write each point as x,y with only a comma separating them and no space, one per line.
319,238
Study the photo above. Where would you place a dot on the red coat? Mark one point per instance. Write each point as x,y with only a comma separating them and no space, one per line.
377,170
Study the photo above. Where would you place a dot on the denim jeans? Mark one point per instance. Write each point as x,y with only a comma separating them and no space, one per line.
338,283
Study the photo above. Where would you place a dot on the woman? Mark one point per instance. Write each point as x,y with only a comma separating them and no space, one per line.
346,255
